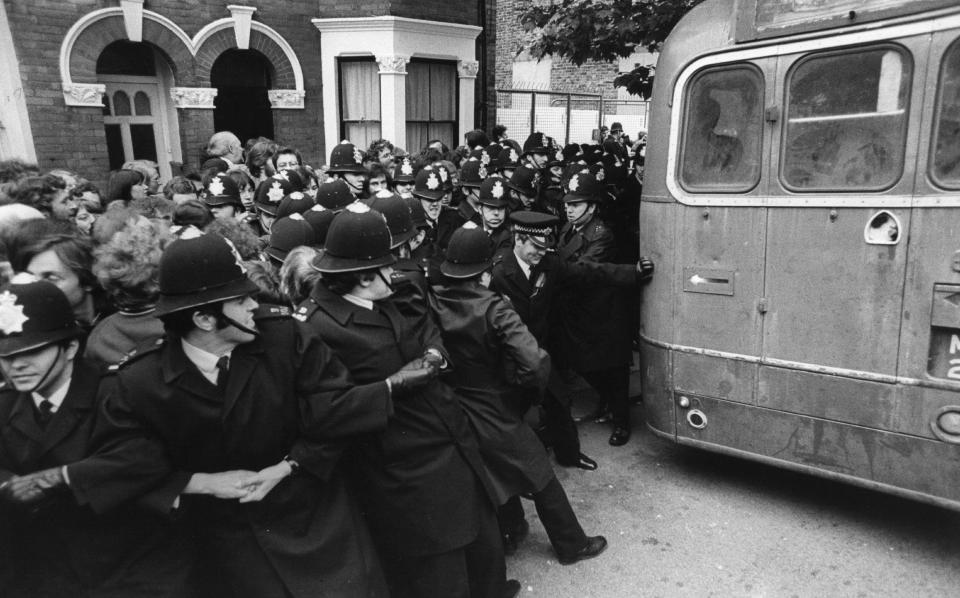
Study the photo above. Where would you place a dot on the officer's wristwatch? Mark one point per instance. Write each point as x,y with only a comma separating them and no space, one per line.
294,466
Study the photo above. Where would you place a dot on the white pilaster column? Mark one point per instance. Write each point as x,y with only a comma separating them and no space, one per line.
393,98
467,70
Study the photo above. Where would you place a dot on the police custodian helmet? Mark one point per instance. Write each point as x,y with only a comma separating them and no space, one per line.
198,271
469,252
33,315
358,239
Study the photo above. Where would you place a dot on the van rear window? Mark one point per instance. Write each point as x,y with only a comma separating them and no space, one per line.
946,150
722,131
846,121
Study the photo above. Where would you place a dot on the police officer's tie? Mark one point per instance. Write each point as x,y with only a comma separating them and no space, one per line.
223,367
45,412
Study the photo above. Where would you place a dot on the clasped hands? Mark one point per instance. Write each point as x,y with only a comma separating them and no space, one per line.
31,488
241,484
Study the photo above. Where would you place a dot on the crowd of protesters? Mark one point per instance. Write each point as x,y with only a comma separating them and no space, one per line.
261,378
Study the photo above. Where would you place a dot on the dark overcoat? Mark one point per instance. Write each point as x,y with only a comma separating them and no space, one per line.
534,297
493,353
62,547
592,326
284,388
420,478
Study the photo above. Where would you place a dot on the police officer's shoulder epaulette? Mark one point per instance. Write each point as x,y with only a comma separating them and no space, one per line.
305,310
136,354
268,311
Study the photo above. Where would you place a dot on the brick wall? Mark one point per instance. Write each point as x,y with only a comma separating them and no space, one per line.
592,77
73,137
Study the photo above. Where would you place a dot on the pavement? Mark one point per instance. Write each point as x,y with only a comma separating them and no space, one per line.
683,522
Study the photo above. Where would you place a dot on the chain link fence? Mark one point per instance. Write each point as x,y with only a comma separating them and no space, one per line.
566,116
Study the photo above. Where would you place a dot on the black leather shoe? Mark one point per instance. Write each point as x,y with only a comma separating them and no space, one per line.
585,462
594,546
511,588
620,436
511,540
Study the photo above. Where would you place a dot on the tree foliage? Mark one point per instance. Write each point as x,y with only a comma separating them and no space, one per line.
603,30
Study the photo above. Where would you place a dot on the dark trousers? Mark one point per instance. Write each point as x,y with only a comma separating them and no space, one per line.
557,516
560,431
613,385
476,570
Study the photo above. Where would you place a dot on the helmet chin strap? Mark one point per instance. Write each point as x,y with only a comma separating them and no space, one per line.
385,281
238,325
49,369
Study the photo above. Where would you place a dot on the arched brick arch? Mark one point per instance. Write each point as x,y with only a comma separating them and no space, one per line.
93,39
223,40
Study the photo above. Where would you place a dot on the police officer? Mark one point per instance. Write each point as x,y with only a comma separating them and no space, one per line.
492,198
472,174
420,478
495,353
240,411
221,194
51,542
593,334
346,162
531,276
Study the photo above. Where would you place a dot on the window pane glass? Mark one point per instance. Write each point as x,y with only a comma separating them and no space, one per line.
417,136
946,158
443,92
141,104
418,91
143,141
846,121
722,131
360,91
443,132
114,146
362,134
121,104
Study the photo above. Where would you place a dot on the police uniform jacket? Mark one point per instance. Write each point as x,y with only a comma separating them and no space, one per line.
285,391
494,353
533,297
62,547
592,326
420,477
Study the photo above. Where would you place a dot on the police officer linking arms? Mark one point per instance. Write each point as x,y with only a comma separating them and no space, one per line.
237,414
421,478
52,543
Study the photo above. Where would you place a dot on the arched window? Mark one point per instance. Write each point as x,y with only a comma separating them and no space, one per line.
136,117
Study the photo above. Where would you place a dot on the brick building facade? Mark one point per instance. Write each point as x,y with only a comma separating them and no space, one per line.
515,69
85,89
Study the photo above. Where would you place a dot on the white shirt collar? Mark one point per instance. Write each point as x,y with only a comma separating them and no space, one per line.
360,301
56,399
523,265
205,361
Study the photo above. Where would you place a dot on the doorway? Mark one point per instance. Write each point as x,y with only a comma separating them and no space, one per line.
242,106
